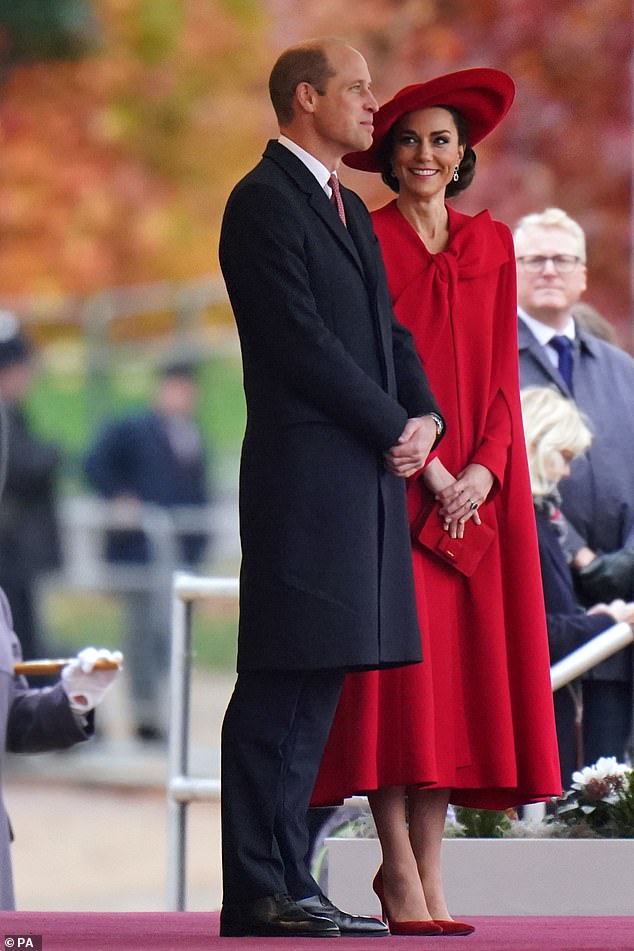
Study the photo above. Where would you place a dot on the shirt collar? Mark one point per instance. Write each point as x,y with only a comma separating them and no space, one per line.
543,332
319,170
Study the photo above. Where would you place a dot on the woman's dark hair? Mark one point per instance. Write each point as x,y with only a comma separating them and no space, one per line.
466,169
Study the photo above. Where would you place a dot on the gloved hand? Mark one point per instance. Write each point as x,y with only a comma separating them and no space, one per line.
608,577
85,686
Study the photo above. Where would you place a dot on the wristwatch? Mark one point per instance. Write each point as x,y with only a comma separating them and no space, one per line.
440,425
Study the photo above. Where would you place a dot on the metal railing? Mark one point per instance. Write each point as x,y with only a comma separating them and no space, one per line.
183,788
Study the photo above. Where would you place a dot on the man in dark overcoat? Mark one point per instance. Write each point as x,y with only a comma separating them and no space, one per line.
338,412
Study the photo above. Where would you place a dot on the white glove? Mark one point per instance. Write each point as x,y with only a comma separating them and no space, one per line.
84,686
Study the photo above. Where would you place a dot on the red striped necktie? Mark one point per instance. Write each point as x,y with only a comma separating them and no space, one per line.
336,198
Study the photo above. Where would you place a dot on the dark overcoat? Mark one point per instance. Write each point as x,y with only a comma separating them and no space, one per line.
330,380
31,721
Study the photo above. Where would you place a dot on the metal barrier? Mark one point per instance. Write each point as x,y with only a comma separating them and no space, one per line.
183,788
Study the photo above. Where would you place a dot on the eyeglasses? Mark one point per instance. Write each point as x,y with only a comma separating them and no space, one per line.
563,263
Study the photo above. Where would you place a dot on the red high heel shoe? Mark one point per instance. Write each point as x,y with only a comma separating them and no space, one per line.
427,928
449,926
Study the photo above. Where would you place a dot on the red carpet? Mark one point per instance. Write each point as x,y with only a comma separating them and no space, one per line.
196,931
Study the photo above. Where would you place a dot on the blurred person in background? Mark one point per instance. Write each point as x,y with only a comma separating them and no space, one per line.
598,497
556,434
36,720
473,724
589,318
29,533
152,457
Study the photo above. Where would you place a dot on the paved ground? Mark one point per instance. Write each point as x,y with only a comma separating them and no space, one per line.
91,823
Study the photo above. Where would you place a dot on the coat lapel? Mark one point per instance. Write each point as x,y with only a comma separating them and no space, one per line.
528,341
315,196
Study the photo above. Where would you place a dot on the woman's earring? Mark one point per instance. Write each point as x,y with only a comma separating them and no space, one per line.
455,174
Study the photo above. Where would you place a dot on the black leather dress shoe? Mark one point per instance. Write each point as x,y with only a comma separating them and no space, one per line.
274,916
348,924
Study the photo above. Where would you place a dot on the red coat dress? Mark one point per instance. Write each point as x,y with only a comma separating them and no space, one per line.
476,716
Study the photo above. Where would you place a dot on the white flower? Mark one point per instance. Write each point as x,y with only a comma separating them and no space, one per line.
607,768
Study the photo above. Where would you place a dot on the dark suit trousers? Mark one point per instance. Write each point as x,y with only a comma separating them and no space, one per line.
273,737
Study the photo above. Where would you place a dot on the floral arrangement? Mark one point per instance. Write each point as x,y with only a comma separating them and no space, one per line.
600,801
599,804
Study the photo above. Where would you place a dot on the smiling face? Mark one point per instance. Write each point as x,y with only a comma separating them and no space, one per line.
425,152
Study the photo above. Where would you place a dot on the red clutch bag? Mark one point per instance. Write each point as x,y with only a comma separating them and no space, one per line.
463,554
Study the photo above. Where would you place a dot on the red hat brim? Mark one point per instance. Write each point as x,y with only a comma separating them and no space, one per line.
482,95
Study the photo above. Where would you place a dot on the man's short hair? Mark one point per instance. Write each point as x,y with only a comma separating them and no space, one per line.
553,218
305,63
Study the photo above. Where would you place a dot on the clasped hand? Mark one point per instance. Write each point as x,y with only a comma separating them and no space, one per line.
459,498
413,446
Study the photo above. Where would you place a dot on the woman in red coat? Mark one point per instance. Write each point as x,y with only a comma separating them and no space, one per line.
473,724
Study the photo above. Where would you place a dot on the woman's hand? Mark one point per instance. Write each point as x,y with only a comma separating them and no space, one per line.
460,501
619,609
437,477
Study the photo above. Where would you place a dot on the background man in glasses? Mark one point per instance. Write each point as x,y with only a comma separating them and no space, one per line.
598,498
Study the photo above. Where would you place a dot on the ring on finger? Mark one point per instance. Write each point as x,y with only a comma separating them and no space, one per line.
473,505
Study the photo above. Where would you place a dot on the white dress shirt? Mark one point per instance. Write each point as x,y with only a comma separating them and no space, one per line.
319,170
545,334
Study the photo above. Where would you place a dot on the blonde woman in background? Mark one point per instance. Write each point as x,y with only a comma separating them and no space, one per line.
556,433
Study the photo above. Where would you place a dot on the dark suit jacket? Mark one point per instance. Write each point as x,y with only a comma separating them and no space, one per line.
133,455
330,380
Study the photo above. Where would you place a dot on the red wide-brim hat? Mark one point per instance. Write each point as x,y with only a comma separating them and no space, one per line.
482,95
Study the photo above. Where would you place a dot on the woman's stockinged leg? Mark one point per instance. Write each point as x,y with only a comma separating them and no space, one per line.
427,813
404,896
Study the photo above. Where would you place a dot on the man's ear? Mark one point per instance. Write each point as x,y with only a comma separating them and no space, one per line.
585,279
306,97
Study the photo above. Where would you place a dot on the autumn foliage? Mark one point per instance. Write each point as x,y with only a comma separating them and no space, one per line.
116,164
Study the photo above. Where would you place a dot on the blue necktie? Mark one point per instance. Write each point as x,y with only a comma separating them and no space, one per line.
563,345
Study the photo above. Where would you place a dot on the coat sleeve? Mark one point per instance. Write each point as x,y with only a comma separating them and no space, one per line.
414,392
38,719
493,451
278,316
568,625
567,632
42,720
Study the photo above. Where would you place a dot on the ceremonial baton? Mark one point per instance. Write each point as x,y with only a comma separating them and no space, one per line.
42,668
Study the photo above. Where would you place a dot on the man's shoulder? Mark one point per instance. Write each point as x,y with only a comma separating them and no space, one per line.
525,336
609,354
278,168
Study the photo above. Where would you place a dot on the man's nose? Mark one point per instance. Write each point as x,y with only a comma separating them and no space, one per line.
549,266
